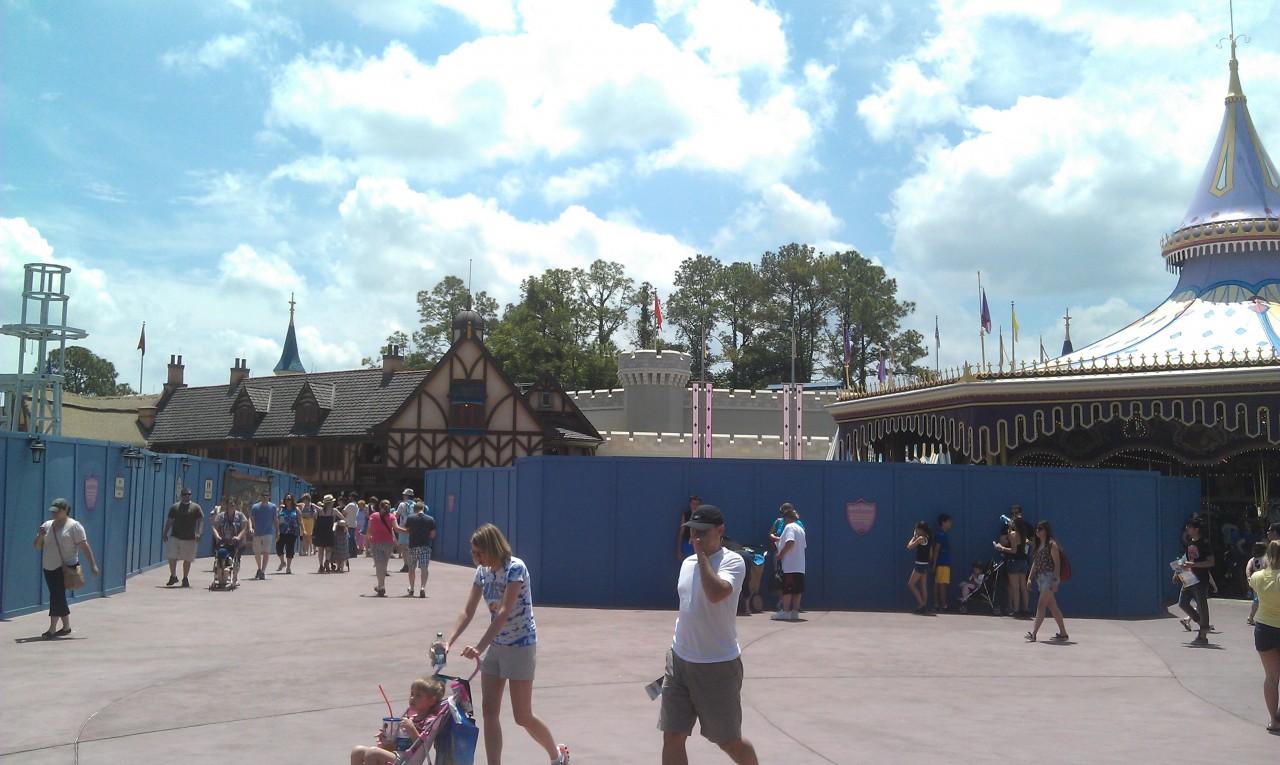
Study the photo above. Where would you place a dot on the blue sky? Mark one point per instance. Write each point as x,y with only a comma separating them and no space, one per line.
197,162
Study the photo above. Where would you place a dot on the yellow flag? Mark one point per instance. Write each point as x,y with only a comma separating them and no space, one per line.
1015,322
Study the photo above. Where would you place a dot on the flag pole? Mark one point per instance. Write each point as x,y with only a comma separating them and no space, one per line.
142,360
937,348
982,339
1013,337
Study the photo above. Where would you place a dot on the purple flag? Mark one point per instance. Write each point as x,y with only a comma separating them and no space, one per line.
937,339
882,373
848,350
986,314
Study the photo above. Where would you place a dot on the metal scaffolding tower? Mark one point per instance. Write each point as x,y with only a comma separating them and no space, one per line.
44,323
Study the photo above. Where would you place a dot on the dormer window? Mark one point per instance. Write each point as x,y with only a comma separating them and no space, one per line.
244,416
307,414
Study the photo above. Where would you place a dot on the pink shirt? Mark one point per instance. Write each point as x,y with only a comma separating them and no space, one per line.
381,526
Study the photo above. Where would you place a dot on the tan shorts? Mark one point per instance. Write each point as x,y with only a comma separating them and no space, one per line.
180,549
708,693
510,662
264,543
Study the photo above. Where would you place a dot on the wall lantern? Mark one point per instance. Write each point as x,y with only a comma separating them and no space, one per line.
186,464
133,458
157,462
37,448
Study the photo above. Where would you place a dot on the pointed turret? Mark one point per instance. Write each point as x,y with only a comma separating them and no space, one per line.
1236,205
290,363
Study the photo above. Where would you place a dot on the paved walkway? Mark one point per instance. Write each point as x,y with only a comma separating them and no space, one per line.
287,671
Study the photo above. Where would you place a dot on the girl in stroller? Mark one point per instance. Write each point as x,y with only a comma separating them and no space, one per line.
424,703
974,581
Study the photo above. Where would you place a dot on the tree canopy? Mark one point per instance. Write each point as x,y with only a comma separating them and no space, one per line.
748,325
87,373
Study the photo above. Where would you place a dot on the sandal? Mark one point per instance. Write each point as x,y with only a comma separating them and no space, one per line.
1031,637
1186,623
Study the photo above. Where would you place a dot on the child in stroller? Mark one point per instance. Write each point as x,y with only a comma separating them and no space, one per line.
226,564
425,709
981,585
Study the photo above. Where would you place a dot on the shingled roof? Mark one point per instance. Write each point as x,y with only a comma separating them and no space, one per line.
357,399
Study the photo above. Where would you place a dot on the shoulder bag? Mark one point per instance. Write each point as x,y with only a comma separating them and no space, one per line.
73,575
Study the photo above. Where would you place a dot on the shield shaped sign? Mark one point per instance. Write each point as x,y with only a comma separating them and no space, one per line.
861,515
91,492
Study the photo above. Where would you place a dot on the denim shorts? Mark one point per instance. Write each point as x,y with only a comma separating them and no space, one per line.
1018,566
1044,582
1265,637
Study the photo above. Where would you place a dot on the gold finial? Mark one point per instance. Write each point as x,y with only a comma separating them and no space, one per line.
1234,91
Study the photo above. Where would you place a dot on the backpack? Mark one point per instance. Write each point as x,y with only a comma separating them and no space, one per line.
1065,574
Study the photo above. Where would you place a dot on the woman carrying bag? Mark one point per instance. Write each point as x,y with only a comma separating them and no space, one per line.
59,539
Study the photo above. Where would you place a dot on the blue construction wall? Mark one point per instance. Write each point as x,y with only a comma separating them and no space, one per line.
602,531
126,517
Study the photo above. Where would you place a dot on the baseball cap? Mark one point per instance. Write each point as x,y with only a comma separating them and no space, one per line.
60,504
1275,528
705,517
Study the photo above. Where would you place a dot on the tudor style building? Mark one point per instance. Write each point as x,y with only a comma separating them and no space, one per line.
371,430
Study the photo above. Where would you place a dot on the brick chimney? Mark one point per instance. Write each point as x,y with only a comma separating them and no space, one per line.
239,371
175,377
392,360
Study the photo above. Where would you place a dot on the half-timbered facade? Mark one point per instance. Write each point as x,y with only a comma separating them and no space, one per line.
373,430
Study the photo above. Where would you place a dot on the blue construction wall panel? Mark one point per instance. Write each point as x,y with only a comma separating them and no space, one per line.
602,531
122,508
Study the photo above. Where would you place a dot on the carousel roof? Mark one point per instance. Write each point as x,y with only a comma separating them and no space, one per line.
1227,301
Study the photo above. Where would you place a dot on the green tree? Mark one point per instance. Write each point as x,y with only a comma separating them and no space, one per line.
413,358
603,289
643,333
693,309
86,373
743,295
865,300
797,304
437,310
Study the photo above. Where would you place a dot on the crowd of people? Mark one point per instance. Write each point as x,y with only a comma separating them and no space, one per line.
330,531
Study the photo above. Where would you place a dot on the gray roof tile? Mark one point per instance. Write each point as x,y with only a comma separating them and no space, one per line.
367,398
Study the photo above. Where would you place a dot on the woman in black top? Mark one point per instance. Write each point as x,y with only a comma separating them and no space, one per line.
918,583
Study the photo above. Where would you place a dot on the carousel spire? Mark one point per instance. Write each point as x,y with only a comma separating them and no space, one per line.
290,362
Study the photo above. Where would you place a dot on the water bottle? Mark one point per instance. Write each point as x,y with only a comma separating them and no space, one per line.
437,653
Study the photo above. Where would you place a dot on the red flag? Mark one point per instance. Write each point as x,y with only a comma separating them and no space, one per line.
657,311
142,339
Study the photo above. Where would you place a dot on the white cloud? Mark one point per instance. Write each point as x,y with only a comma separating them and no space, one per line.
213,54
580,182
734,35
574,84
407,16
780,216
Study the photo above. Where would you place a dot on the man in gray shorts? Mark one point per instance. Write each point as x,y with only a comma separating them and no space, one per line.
704,666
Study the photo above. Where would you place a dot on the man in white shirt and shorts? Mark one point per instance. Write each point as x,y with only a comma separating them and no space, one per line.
703,681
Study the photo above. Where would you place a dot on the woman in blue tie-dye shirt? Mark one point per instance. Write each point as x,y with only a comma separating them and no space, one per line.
508,649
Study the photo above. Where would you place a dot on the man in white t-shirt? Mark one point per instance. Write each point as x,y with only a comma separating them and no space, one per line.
403,511
350,514
791,547
705,662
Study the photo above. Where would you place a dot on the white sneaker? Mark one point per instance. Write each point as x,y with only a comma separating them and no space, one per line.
780,616
563,758
793,616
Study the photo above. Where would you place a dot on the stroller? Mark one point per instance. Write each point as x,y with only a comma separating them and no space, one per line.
451,734
226,566
985,591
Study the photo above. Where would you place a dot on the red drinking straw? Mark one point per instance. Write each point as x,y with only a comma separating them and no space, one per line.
384,698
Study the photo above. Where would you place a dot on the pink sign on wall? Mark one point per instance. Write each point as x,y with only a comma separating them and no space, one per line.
448,503
91,483
861,515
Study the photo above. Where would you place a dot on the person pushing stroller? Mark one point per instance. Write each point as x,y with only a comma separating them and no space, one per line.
230,528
